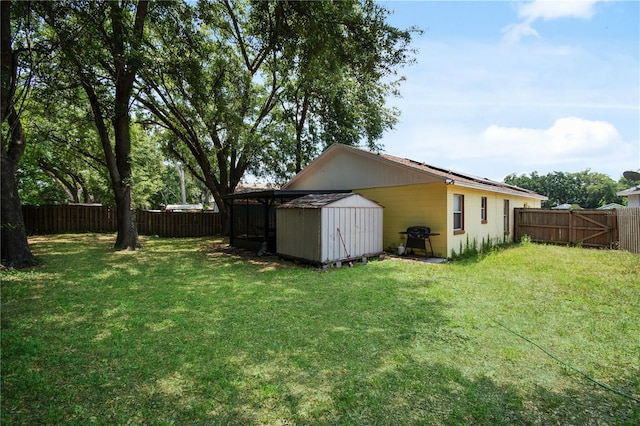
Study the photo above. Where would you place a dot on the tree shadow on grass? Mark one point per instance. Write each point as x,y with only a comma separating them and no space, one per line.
249,347
439,394
587,404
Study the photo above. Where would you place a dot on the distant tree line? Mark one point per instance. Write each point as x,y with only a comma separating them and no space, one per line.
101,99
587,189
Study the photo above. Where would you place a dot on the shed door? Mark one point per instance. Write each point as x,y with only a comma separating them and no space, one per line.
361,229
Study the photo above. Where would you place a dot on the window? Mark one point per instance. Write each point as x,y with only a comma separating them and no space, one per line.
458,214
483,209
505,217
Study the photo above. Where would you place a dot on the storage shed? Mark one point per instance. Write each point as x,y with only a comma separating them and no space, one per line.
329,228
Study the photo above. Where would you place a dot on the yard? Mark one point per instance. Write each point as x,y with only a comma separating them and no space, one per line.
186,332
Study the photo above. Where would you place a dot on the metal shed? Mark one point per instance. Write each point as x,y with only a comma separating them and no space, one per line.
329,228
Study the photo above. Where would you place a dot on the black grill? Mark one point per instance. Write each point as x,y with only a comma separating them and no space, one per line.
415,233
417,236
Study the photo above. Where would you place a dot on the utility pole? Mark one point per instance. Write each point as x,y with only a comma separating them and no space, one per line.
182,187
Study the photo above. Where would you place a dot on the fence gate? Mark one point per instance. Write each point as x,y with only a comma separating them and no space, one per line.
597,228
593,228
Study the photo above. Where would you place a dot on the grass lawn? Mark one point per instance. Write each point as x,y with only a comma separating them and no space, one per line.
182,332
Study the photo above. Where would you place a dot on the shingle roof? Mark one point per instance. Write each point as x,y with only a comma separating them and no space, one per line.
314,201
454,176
631,191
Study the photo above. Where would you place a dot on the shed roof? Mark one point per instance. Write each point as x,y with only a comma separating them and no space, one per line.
317,201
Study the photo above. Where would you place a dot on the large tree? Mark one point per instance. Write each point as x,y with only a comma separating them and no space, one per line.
64,147
15,247
246,86
341,70
586,188
100,46
64,154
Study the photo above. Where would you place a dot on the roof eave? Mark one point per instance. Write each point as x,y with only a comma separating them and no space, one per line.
630,191
501,190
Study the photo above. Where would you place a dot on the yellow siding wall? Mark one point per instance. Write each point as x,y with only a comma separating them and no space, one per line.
432,205
408,205
473,226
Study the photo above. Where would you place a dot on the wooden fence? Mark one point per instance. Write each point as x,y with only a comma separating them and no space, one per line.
594,228
178,224
629,229
591,228
70,218
78,218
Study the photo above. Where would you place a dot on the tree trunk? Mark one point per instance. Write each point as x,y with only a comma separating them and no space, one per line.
122,188
127,238
124,79
299,130
15,249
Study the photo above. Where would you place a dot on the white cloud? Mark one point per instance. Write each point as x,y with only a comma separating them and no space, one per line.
514,32
554,9
546,10
568,140
569,144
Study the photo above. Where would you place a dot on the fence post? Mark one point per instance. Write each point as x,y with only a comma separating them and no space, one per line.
572,237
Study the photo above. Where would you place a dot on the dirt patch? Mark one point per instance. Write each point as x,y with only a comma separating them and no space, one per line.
223,249
410,258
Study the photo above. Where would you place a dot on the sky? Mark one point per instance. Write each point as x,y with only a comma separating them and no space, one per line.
502,87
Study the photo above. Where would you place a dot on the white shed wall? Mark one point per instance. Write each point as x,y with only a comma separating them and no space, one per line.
361,229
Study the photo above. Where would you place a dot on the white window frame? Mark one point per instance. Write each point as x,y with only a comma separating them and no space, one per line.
460,213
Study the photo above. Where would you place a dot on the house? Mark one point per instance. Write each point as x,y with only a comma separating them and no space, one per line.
567,206
610,206
169,208
633,196
464,210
